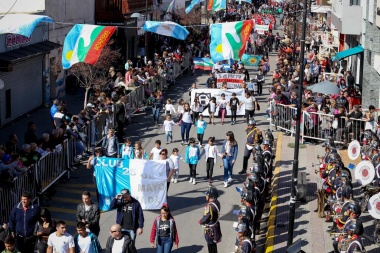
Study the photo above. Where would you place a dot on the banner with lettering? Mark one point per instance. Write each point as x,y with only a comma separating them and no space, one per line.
145,179
234,81
112,175
148,182
204,96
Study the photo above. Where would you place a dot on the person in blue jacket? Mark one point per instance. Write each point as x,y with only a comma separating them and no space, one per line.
192,156
229,154
201,127
93,245
129,214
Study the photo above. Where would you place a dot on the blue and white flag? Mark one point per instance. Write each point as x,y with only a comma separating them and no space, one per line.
191,5
112,175
22,24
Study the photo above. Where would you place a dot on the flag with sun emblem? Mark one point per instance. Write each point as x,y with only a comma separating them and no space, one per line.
228,40
84,43
251,60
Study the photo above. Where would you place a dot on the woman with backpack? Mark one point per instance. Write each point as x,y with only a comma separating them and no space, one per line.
164,231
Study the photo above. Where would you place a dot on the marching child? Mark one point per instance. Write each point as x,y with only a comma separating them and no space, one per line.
201,127
155,152
139,152
192,156
169,108
126,149
168,123
211,153
175,157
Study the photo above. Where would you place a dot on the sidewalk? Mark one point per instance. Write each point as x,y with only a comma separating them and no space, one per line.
308,227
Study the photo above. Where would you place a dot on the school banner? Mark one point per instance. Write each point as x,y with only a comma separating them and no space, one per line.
148,182
234,81
145,179
204,96
261,29
112,175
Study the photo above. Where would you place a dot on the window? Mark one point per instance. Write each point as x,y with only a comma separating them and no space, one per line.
369,57
355,2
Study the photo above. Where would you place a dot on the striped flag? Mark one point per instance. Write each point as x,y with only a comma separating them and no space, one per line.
216,5
191,5
171,7
203,63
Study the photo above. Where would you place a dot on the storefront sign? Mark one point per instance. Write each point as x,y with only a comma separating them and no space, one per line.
15,40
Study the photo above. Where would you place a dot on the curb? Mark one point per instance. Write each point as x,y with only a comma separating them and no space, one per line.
269,244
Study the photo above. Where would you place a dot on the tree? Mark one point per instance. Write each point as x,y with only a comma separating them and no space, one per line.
192,19
90,76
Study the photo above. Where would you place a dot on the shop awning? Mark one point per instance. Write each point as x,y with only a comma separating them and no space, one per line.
30,51
346,53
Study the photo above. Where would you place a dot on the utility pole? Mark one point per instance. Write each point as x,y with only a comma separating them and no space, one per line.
293,196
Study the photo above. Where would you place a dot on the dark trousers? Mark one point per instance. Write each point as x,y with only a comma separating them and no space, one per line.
167,187
212,248
247,154
233,114
249,114
25,244
259,88
200,138
185,127
42,246
195,117
193,170
120,131
209,167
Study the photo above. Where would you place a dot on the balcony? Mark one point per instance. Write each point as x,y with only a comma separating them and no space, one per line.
131,6
346,18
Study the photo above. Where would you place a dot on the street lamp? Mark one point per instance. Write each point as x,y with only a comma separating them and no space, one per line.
292,202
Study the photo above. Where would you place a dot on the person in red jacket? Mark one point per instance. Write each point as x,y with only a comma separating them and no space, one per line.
164,231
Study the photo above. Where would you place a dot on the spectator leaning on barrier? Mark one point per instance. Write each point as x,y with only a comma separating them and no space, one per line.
129,213
22,221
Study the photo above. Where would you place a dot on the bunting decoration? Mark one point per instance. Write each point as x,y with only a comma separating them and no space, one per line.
228,40
84,43
203,63
191,6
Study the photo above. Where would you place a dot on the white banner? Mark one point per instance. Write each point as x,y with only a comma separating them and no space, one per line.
148,182
205,95
261,29
234,81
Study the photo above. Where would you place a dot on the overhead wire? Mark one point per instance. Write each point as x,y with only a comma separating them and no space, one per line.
9,9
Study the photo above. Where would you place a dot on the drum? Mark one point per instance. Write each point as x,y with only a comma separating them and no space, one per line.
343,245
337,207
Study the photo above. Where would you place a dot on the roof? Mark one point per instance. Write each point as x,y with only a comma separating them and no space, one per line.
30,51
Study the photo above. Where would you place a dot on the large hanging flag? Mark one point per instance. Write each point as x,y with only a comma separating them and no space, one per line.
216,5
22,24
251,60
84,43
166,28
228,40
203,63
171,7
191,5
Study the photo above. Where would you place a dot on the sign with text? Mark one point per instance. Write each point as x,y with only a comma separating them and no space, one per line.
204,96
234,81
145,179
148,182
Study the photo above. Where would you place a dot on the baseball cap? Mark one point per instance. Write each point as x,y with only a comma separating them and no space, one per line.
124,191
90,105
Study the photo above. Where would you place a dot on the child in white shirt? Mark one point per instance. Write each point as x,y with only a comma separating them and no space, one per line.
175,157
155,152
168,123
169,108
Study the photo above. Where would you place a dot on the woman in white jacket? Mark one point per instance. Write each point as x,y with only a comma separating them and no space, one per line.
211,153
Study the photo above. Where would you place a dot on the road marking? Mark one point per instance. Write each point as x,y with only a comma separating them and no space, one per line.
269,244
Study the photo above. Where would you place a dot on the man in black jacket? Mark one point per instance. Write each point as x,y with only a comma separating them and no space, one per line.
117,240
88,213
120,114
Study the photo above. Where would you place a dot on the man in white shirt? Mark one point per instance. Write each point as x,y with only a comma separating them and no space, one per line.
60,241
86,242
119,243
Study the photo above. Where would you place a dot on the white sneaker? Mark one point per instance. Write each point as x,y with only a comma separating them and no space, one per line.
172,180
193,180
225,184
229,180
175,181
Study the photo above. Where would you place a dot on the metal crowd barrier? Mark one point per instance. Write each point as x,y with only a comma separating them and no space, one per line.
8,200
317,125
